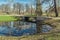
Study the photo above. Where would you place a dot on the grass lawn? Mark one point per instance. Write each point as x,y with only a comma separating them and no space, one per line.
7,18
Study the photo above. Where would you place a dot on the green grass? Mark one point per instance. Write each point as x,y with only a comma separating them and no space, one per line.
7,18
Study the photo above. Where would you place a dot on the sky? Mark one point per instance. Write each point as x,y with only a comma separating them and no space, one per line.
21,1
44,6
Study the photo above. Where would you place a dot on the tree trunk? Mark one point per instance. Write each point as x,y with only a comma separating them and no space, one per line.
38,8
56,13
19,12
31,9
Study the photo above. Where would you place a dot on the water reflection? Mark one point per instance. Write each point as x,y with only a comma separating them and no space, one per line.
46,28
17,28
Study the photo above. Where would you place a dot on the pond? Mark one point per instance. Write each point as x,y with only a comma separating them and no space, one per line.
17,28
20,28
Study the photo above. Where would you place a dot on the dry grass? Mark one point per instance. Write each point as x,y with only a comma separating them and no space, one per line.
8,38
33,37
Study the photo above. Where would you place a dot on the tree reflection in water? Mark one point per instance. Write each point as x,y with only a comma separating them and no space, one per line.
21,28
17,28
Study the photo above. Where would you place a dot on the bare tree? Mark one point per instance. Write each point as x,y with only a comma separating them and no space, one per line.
50,6
38,8
56,13
27,8
5,8
17,7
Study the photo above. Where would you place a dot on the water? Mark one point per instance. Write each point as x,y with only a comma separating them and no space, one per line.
46,28
26,29
12,23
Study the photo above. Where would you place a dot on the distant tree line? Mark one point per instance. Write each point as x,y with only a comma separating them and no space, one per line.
17,8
